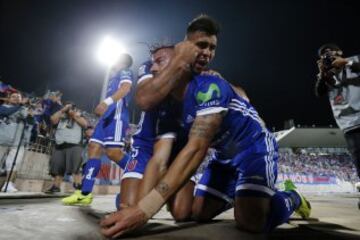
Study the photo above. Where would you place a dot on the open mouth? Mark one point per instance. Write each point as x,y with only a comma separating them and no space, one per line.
201,62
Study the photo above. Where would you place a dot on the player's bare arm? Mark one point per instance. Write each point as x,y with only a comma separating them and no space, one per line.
156,167
151,92
119,94
185,164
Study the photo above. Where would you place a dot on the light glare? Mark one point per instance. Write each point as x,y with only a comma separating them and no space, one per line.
109,51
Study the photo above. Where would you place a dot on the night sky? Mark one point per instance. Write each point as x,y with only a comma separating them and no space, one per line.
268,47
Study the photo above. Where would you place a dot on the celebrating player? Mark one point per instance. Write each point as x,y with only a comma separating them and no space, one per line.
246,166
110,130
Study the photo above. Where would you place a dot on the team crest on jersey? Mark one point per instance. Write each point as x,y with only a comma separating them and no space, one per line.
203,97
131,165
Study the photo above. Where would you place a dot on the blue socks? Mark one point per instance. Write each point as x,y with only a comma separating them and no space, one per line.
91,169
283,204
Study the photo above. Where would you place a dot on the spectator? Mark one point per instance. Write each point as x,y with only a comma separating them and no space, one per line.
14,119
66,158
339,78
51,104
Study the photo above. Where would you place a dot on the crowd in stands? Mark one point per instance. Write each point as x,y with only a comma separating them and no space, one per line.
40,124
40,108
318,162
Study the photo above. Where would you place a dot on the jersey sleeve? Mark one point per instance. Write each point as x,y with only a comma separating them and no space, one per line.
212,95
144,71
125,75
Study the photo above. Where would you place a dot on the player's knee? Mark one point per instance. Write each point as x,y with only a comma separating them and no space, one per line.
115,155
181,214
251,221
94,150
199,214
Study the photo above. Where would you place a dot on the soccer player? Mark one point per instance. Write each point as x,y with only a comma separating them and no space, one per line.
151,143
245,170
109,133
142,148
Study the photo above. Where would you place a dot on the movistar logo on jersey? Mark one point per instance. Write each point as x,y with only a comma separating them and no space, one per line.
203,97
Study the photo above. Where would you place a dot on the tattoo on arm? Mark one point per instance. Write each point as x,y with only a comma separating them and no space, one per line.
205,126
162,188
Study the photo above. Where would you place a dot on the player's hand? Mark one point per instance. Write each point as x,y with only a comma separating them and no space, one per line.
187,51
212,73
101,109
120,222
339,62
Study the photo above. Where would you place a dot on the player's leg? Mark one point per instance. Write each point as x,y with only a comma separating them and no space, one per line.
214,192
114,142
257,211
90,170
117,155
259,207
133,174
181,204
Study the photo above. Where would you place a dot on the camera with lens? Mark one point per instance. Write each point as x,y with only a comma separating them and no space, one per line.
328,60
72,108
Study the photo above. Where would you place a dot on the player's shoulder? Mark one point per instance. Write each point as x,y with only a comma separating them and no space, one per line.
126,71
125,74
144,70
210,83
145,65
204,80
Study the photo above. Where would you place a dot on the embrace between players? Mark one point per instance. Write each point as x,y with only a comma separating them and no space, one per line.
193,110
188,109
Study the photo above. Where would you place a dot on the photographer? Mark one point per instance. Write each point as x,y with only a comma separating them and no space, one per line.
66,158
339,77
14,119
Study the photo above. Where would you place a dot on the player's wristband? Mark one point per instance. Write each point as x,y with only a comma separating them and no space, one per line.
108,101
151,203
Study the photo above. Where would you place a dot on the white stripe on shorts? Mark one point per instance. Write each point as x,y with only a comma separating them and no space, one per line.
132,175
214,192
255,187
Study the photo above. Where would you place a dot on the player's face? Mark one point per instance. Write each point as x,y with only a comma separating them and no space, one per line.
15,98
207,45
161,59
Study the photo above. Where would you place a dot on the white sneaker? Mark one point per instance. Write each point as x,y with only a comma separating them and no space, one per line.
10,189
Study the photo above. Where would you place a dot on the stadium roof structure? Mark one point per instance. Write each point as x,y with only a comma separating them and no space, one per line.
311,137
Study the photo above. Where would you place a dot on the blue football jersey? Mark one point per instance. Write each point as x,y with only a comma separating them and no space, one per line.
118,110
145,134
241,126
144,71
116,79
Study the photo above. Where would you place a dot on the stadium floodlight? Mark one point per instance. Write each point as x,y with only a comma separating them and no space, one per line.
108,54
109,51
